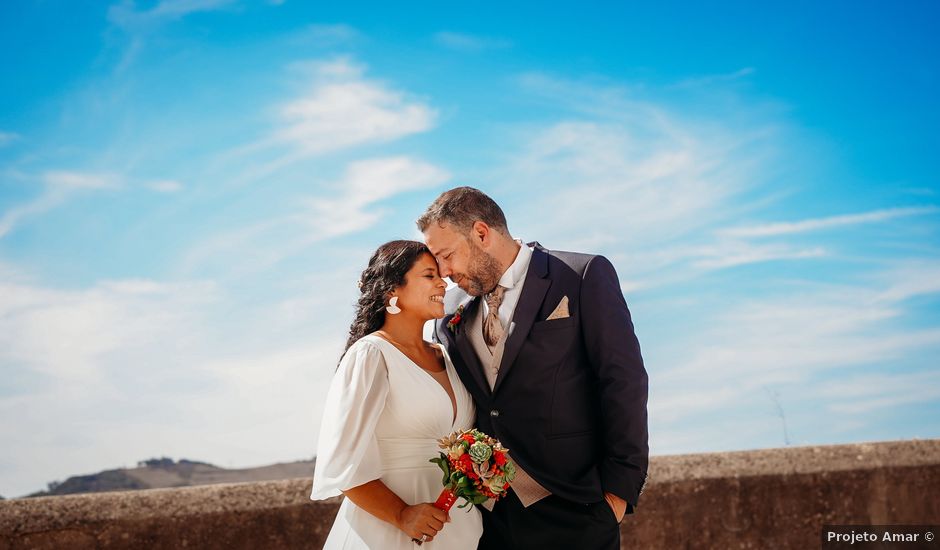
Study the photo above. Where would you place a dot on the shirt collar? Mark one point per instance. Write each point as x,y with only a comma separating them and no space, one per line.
520,265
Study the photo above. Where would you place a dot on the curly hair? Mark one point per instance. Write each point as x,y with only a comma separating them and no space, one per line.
386,271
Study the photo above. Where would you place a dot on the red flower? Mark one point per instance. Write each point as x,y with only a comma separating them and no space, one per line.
455,320
466,464
499,459
468,438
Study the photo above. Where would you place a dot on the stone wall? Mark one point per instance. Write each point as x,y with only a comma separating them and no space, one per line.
775,498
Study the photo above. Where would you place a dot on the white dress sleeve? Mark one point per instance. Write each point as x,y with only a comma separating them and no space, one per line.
347,449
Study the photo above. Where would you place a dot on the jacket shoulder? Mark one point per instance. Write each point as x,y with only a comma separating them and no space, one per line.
576,261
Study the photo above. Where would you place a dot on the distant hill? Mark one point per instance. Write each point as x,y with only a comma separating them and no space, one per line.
158,473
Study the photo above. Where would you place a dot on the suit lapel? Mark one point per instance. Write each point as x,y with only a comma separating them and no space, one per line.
533,294
467,354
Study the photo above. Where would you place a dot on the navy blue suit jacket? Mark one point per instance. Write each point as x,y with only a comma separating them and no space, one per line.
569,401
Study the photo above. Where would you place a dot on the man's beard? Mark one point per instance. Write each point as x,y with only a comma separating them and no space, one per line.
483,272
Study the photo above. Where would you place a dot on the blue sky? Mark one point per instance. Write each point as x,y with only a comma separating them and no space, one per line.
189,189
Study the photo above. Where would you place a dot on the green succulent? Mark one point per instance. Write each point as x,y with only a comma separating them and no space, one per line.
480,452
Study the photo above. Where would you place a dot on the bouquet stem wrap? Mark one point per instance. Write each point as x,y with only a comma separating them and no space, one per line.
446,500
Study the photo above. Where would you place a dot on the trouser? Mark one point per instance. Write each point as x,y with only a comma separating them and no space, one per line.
552,522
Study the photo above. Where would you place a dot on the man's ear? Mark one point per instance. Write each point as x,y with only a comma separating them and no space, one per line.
480,232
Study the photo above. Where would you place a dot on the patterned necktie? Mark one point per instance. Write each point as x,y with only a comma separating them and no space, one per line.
492,327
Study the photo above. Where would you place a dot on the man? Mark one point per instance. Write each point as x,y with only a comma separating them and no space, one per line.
544,342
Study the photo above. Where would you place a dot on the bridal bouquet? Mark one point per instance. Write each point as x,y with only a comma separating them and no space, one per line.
476,468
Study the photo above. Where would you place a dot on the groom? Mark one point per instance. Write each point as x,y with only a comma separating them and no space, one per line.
544,342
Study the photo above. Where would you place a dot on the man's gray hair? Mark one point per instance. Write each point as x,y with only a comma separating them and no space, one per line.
461,207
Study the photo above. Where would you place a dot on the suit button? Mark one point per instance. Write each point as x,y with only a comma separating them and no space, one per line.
494,412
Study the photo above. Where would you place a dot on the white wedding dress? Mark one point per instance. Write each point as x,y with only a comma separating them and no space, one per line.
382,419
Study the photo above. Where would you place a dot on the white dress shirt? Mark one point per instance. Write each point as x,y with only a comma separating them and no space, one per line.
513,279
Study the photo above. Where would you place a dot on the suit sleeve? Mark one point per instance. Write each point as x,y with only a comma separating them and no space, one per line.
614,354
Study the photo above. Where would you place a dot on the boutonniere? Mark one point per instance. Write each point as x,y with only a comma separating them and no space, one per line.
452,324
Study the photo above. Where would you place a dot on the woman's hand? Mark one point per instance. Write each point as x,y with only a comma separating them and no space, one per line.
417,520
422,519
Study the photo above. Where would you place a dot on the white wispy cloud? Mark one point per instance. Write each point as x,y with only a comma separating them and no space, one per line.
468,42
66,334
737,254
330,35
367,183
920,191
139,25
353,204
625,171
647,188
910,279
126,14
7,138
641,180
80,180
711,79
803,226
809,342
341,109
863,394
58,187
115,373
626,184
12,217
165,186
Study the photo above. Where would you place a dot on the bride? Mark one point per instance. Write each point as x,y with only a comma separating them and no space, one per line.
392,397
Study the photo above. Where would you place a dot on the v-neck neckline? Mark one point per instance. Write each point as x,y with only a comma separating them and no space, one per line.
453,402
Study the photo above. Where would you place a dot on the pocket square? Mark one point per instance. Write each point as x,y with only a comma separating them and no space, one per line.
561,310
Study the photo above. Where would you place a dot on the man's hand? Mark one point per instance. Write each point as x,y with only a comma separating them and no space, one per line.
617,504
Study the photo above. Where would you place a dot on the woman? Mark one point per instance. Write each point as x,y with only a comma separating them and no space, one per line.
392,397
